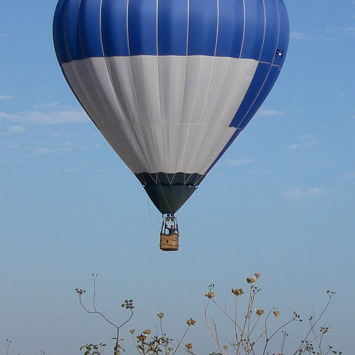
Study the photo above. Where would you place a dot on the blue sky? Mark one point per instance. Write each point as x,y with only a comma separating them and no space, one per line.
279,202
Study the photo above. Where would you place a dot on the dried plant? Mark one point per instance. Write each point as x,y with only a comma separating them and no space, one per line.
93,349
248,333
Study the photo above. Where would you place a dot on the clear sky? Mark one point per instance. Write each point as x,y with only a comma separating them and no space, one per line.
279,202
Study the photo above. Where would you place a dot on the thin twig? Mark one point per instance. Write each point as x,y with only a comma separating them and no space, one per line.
8,346
163,336
283,342
315,323
177,347
206,320
135,344
266,327
226,314
246,320
216,334
276,331
99,313
235,318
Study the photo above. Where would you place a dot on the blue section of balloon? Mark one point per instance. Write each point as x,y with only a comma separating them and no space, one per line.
202,28
172,29
114,13
252,29
142,27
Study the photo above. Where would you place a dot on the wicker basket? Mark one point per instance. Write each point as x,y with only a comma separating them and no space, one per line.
169,242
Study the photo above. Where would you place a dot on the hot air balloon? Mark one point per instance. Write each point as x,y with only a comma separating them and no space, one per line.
170,83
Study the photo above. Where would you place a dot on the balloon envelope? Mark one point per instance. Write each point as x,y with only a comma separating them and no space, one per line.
170,83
